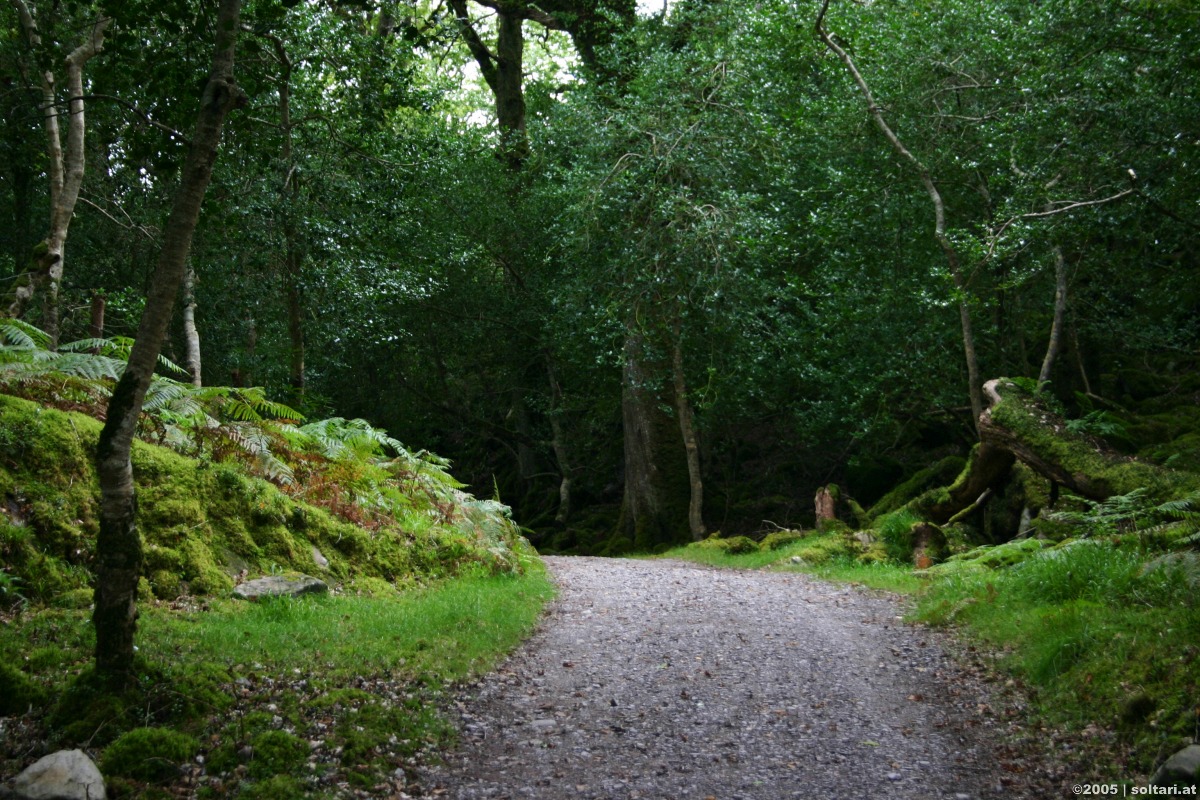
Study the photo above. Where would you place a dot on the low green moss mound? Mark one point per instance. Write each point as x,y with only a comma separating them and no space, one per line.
276,752
734,545
780,539
153,755
17,692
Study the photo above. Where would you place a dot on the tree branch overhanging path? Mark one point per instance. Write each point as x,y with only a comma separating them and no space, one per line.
953,261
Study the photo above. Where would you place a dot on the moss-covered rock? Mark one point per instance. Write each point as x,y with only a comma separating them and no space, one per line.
817,550
734,545
205,524
777,540
994,556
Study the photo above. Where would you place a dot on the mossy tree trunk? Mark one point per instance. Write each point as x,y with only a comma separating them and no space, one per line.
118,546
1017,422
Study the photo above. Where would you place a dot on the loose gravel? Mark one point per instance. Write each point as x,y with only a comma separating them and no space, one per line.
664,680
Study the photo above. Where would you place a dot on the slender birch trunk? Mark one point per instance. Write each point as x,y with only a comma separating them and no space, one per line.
118,546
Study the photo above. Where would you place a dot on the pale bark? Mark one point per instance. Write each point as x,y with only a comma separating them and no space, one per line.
824,506
974,385
1054,345
118,546
65,168
191,335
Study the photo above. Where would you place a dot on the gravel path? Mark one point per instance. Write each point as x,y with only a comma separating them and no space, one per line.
661,680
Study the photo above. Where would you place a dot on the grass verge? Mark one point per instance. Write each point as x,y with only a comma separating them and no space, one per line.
825,556
318,697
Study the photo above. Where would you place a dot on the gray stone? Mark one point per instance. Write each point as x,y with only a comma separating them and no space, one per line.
1181,768
276,586
320,558
65,775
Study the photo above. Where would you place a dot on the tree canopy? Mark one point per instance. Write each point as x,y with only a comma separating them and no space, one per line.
643,273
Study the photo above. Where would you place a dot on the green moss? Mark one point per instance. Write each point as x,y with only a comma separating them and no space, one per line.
368,586
939,474
997,556
17,692
735,545
1020,413
149,754
780,539
277,787
817,550
202,524
895,533
276,753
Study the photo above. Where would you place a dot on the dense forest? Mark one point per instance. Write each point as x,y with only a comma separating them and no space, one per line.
922,276
642,272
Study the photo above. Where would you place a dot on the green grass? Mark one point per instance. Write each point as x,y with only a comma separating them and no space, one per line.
361,675
447,631
1095,636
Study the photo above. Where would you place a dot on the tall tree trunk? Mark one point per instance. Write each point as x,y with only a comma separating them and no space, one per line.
503,72
559,443
687,429
65,168
118,546
974,385
1060,317
293,256
654,511
191,336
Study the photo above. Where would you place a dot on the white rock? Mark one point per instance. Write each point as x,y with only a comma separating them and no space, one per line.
65,775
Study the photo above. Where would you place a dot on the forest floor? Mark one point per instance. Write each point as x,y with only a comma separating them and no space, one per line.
660,680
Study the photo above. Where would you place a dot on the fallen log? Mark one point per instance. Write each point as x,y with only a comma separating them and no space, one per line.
1017,422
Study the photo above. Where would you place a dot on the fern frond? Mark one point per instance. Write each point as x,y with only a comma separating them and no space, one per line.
18,333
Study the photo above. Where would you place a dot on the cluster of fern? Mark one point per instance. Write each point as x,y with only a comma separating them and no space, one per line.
350,467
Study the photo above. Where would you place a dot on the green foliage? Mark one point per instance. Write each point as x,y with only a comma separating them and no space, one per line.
277,752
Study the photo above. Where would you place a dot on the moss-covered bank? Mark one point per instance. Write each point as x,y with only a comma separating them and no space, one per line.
205,525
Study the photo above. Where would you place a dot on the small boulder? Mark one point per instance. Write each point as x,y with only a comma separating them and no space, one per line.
1181,769
278,586
319,558
65,775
